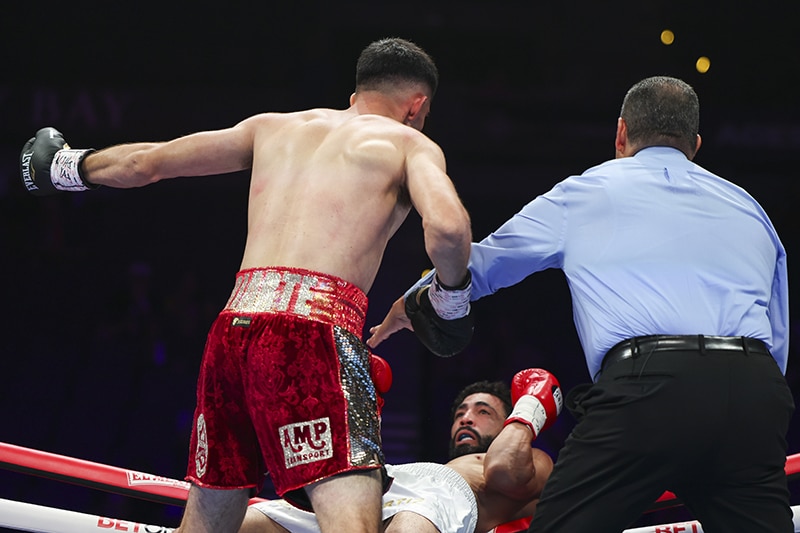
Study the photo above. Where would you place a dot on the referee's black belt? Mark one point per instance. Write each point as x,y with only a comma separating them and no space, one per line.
637,346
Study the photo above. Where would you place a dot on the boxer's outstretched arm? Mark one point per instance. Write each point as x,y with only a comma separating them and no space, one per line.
48,165
198,154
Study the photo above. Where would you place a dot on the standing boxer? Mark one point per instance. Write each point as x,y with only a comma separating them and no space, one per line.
678,280
284,384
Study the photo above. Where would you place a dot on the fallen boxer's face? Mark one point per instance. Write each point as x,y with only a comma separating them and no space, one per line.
477,421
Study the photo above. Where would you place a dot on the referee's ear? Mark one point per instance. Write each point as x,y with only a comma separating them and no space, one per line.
696,148
621,145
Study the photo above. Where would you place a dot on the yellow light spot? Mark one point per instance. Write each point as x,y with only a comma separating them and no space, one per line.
667,37
703,64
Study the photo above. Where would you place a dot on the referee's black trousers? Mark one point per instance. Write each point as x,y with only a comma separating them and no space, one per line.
708,425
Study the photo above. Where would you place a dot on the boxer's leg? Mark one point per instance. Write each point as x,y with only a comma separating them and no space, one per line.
333,497
214,510
405,521
258,522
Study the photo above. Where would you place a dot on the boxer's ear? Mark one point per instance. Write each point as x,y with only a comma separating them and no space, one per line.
417,111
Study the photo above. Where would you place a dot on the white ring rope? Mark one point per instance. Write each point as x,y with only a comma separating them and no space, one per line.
36,518
40,519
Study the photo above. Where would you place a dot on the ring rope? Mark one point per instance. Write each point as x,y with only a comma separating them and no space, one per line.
122,481
169,491
30,517
165,490
41,519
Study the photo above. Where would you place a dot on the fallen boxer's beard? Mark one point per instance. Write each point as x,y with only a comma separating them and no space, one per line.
481,446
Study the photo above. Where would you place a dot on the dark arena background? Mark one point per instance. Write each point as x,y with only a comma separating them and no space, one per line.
107,296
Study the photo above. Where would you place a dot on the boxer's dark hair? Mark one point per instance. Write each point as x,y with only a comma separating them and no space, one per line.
497,389
388,62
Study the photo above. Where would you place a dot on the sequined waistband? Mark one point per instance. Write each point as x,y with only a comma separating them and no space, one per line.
305,293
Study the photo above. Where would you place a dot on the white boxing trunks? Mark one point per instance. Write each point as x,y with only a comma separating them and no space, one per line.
431,490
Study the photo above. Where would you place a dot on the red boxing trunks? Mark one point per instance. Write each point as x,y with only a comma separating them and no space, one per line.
284,386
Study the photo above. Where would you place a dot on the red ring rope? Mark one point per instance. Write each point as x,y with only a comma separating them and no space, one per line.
95,475
171,491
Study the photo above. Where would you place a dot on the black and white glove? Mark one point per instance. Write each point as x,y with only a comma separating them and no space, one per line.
442,316
48,165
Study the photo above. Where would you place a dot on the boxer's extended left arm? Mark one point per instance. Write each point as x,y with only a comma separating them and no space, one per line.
48,165
198,154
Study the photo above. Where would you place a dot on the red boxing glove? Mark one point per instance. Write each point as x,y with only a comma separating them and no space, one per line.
537,399
381,374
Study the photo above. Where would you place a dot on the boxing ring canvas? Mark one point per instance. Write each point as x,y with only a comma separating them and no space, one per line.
23,516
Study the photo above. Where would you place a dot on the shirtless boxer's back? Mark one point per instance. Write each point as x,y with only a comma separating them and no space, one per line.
284,385
329,188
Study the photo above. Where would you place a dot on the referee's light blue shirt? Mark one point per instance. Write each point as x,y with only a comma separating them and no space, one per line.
650,244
